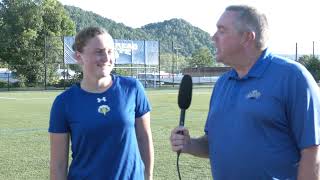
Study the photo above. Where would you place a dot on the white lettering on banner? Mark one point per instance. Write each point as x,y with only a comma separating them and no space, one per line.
125,48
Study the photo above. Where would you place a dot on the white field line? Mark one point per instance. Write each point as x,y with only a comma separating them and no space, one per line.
23,99
176,93
149,93
21,130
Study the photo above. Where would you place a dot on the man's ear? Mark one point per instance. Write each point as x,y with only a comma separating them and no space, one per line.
248,38
77,56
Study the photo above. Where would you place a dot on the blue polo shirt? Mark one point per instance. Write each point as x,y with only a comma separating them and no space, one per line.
257,125
102,130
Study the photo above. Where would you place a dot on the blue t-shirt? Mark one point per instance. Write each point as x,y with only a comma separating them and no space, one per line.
257,125
102,128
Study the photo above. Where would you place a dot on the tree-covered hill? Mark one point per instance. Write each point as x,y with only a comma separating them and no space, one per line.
178,32
117,30
185,37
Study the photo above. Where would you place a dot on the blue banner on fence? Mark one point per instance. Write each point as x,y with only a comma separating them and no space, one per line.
152,52
138,56
127,51
124,50
68,52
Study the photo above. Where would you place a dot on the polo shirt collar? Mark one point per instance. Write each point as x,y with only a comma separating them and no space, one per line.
256,70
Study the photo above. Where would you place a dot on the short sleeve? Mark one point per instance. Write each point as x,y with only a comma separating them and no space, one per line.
209,116
142,103
303,109
58,121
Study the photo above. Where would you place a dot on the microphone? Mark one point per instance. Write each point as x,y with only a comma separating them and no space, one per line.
184,96
184,101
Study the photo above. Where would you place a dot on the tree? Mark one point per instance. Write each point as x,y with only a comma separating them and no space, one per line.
56,25
201,58
172,62
312,63
24,26
20,22
3,64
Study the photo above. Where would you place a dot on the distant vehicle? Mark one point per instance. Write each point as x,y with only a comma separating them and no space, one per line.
65,73
168,78
6,74
152,79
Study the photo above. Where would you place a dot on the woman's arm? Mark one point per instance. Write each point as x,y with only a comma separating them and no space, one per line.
59,155
144,138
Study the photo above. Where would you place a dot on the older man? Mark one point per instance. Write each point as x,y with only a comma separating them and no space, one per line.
264,116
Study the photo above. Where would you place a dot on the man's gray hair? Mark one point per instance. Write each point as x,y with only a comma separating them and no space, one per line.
250,20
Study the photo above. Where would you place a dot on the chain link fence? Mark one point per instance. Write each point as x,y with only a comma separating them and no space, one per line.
52,73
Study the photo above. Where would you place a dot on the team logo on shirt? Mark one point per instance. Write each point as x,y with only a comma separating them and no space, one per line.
254,94
104,109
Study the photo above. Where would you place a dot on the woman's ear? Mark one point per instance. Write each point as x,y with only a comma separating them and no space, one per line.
77,56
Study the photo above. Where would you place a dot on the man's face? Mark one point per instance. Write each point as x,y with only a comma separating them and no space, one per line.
227,39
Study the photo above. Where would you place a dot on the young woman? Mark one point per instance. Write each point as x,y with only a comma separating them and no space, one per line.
106,117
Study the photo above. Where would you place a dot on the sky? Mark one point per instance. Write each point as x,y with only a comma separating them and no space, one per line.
290,21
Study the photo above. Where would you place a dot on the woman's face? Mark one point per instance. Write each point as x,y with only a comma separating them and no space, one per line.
97,57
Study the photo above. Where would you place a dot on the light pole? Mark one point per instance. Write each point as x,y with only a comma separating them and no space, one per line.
176,59
177,48
8,76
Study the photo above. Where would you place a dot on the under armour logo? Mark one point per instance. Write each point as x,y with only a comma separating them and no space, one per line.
103,99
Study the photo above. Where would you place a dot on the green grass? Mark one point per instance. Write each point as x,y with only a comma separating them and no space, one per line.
24,142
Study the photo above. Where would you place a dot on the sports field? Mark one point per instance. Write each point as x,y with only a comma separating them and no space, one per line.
24,141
